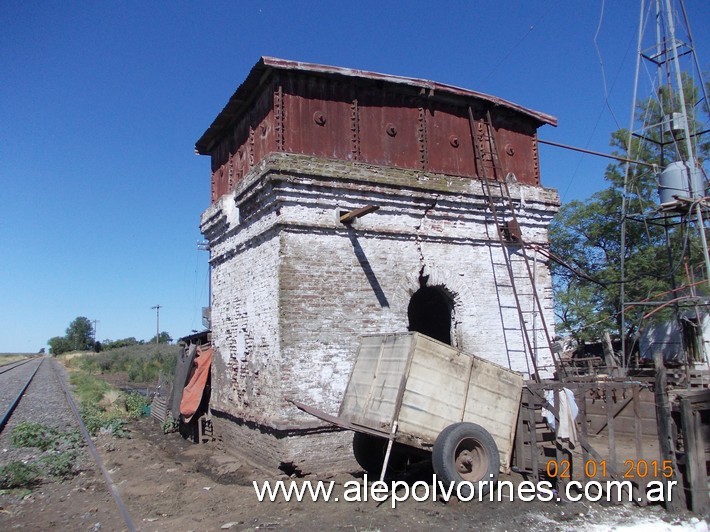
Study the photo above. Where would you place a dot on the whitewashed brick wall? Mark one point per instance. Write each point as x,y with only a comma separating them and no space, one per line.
293,288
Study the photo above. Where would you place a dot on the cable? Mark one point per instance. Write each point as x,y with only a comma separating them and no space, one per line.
512,48
606,103
581,274
601,64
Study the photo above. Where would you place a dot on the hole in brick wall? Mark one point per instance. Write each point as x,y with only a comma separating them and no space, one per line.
429,313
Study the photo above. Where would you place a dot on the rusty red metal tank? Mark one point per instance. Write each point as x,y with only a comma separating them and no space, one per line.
353,115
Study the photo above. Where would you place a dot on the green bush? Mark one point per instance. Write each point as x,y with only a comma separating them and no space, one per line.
135,405
97,421
89,389
61,465
61,461
19,475
125,342
36,435
142,363
170,425
44,437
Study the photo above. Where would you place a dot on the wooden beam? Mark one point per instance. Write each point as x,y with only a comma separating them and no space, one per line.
675,497
348,217
695,461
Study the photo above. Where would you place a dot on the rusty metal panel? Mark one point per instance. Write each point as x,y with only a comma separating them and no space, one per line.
318,117
349,114
250,139
518,155
484,166
389,129
219,183
351,75
449,142
517,148
239,151
263,132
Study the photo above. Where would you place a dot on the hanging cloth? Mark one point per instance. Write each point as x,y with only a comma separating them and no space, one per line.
192,394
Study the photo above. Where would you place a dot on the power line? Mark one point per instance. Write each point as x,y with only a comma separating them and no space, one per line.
95,322
518,43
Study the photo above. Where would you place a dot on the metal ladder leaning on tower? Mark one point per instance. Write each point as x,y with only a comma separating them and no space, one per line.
515,276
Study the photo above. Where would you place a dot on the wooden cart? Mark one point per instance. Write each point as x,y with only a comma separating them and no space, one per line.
411,394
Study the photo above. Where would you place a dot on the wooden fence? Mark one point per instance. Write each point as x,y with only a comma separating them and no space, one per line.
617,433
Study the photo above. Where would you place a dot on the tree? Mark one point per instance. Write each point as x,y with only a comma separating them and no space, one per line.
586,235
80,334
116,344
58,345
164,338
79,337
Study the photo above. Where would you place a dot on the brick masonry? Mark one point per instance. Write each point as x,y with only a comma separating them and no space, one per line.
293,288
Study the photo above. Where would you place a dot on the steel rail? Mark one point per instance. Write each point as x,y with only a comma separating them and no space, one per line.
5,369
15,402
97,458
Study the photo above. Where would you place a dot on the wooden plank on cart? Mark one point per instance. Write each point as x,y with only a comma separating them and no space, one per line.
371,395
493,402
436,388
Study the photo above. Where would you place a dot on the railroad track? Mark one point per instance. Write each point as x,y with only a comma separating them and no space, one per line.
9,367
13,400
34,391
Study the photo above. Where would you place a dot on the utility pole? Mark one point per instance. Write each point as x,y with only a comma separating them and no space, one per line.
157,327
95,322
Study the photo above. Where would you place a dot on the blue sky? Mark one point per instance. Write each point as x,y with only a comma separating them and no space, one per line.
101,104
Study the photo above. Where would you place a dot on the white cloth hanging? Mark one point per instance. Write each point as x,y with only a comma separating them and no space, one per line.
568,410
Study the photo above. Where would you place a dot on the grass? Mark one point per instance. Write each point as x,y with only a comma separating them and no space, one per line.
43,437
9,358
17,475
141,363
104,408
98,421
88,388
59,459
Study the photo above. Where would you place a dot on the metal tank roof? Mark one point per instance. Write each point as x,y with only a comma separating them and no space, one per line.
260,73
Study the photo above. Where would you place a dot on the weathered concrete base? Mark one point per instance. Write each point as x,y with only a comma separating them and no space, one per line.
293,451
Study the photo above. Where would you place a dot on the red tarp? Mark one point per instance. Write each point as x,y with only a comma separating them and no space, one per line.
192,394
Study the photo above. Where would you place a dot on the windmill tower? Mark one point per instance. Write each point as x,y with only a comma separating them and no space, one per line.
668,126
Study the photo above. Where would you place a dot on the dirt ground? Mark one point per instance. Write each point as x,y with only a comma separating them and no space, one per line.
168,483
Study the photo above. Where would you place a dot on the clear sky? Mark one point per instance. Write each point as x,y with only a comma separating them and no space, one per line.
101,104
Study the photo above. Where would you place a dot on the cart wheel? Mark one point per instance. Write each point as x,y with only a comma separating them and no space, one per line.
466,452
370,453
